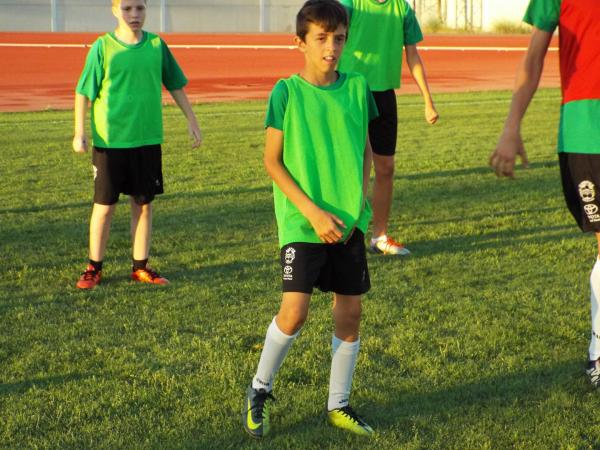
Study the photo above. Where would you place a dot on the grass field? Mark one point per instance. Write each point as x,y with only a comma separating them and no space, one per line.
476,341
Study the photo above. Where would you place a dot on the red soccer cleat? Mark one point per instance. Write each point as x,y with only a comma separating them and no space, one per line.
90,278
148,275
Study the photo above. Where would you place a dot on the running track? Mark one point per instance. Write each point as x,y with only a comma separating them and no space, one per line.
224,67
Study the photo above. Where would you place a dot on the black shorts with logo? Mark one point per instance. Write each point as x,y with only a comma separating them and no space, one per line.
340,268
383,130
580,174
131,171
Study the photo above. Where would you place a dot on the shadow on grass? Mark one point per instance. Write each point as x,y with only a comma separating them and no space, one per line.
239,271
482,170
45,208
527,387
42,383
479,217
495,240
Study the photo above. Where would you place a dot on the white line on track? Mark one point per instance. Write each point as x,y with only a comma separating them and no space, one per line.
281,47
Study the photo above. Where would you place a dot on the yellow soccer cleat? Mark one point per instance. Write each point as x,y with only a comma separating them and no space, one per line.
255,414
347,419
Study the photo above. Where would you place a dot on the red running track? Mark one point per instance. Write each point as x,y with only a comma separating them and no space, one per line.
36,78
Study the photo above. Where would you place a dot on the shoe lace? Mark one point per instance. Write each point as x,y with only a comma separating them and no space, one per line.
151,273
259,401
349,412
89,274
392,243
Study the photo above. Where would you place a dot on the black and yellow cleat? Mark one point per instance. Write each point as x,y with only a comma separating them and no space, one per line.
347,419
256,412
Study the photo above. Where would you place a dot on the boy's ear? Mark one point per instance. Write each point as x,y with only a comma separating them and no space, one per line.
299,42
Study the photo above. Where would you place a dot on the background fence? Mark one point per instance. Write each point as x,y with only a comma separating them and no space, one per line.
205,16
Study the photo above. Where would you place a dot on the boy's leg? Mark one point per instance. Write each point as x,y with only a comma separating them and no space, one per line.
593,368
100,229
280,335
345,346
100,222
141,234
383,188
383,136
141,229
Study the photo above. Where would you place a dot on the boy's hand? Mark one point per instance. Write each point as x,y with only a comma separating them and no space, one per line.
431,114
325,225
502,160
80,144
195,133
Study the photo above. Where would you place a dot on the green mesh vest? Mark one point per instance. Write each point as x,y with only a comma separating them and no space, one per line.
324,136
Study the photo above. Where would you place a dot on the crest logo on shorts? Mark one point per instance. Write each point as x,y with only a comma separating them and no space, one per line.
95,170
290,255
590,209
587,191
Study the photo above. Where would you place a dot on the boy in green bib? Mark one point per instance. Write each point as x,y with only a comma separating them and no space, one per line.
318,154
379,31
122,78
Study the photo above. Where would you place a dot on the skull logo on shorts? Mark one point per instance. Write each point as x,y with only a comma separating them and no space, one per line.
587,191
290,255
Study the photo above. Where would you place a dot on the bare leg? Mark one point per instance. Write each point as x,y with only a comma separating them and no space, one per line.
292,312
382,193
346,315
141,229
100,229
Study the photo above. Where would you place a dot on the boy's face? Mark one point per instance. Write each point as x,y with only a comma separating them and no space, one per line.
130,14
322,49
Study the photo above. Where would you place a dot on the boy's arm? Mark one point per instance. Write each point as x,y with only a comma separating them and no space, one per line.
417,70
367,161
528,77
325,224
184,104
80,144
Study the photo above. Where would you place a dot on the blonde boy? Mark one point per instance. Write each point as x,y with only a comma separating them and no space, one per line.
123,78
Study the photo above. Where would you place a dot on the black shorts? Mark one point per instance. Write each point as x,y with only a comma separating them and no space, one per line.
131,171
383,130
580,174
340,268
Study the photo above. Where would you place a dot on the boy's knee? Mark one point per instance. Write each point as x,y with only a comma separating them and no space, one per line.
350,315
385,168
291,320
354,314
103,211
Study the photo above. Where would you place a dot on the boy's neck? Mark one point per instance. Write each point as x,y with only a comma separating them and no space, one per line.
319,78
129,36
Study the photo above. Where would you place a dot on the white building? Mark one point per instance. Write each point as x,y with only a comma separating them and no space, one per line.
206,16
478,15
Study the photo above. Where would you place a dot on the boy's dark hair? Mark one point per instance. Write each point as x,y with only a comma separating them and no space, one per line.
330,14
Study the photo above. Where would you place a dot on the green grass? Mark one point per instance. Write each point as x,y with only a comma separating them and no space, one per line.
476,341
511,27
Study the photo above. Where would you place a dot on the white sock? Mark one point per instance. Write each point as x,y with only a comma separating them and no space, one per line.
595,297
374,239
277,344
343,361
